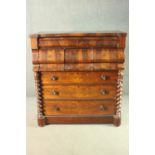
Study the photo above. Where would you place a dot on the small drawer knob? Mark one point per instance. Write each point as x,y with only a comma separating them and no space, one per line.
55,92
103,77
54,78
102,107
56,108
104,92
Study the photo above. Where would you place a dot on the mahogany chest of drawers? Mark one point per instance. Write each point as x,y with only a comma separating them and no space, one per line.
78,77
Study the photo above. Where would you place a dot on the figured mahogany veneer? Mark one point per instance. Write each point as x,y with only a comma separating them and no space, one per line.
103,77
79,107
79,92
76,55
78,76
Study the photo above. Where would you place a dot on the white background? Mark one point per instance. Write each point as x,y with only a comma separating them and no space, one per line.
13,77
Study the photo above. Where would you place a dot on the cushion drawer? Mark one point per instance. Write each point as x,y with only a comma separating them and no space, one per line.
96,55
79,91
48,56
79,77
76,55
79,107
114,42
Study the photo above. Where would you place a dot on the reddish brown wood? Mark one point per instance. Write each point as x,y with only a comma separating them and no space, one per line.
94,55
116,120
48,56
81,34
79,107
42,121
104,77
79,67
79,92
78,77
113,42
89,119
34,42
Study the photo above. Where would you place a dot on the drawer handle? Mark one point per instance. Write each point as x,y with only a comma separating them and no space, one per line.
104,92
54,78
102,107
56,108
103,77
55,92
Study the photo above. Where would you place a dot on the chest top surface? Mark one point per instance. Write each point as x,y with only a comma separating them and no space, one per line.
79,34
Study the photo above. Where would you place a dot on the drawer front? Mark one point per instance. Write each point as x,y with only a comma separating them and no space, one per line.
79,92
78,77
97,55
88,55
80,42
51,56
79,107
78,55
108,55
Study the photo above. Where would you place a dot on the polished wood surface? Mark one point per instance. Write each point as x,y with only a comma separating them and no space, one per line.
77,119
113,42
59,55
79,34
78,76
94,55
79,92
48,56
79,107
99,77
79,67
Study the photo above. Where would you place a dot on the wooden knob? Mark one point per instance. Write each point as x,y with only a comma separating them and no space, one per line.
55,92
54,78
104,92
102,107
103,77
56,108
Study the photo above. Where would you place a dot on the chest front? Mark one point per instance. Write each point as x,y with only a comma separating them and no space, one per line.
78,77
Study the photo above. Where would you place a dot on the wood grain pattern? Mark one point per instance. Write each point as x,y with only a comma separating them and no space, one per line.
45,56
78,67
81,34
34,43
79,107
78,55
79,92
113,42
95,55
108,55
104,77
78,76
93,67
59,55
74,119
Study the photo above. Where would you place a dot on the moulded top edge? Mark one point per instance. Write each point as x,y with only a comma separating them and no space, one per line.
79,34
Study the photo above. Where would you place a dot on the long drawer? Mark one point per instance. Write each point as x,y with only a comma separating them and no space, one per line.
77,55
79,77
114,42
79,91
79,107
95,55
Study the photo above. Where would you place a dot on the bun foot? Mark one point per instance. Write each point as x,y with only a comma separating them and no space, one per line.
117,121
41,122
